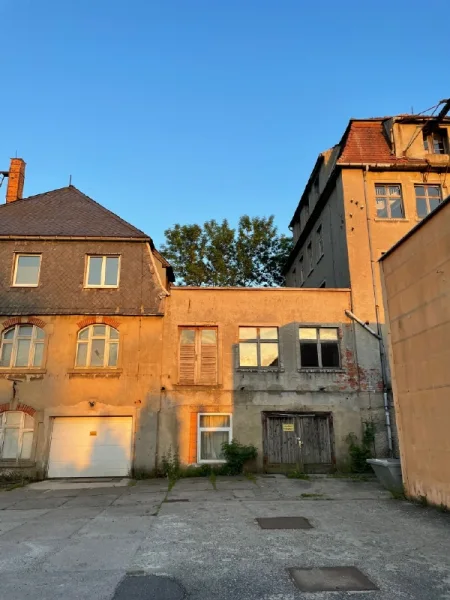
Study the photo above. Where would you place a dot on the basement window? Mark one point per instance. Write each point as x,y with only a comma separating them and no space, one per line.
16,435
319,348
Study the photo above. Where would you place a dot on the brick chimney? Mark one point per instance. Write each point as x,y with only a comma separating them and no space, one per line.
16,180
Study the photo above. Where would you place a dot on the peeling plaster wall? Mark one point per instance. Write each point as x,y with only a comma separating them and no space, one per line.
352,394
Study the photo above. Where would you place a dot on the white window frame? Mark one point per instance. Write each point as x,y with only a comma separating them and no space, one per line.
14,341
16,265
199,437
22,429
103,271
88,342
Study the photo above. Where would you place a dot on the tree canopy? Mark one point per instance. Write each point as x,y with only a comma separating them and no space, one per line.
215,254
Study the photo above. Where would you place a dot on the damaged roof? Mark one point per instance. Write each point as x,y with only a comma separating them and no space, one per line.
65,212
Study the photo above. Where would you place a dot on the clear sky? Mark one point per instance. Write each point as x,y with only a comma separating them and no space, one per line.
172,111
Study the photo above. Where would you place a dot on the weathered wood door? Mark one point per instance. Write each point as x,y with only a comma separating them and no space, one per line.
297,441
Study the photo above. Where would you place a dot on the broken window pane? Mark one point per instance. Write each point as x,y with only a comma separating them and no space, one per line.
330,354
269,355
308,355
98,353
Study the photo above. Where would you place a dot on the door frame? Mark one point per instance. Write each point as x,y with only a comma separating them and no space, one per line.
266,415
51,414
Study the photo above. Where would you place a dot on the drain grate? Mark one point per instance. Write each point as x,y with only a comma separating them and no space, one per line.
177,500
331,579
284,523
148,587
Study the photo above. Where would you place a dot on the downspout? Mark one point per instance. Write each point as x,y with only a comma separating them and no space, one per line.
379,335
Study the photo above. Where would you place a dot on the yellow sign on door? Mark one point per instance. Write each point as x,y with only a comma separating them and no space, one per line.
288,426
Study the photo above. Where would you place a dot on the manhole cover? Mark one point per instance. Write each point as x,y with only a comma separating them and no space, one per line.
148,587
177,500
284,523
331,579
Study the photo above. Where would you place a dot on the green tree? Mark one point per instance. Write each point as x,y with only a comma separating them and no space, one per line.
215,254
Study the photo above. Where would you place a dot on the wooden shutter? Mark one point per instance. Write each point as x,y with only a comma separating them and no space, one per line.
187,356
208,356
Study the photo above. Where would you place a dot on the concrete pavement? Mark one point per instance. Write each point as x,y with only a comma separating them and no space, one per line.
202,540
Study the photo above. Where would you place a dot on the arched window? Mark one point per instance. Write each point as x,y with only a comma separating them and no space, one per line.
16,435
22,346
97,346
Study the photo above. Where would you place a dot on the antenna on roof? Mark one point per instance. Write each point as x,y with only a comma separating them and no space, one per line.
70,180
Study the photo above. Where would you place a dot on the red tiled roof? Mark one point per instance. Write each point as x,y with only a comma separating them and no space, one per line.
366,143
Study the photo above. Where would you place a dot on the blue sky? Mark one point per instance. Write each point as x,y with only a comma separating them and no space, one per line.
185,110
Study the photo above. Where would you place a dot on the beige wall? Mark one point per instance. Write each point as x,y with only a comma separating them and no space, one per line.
361,220
417,299
58,389
351,394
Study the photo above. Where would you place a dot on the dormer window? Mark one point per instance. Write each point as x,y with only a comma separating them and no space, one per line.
436,142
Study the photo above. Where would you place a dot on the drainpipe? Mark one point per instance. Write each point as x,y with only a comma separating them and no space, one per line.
378,335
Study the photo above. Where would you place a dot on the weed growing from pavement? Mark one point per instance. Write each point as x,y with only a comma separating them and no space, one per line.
297,475
313,496
212,479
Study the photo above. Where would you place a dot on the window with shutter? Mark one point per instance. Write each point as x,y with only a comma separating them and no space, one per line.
198,356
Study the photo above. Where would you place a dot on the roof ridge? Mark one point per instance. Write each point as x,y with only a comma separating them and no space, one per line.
35,196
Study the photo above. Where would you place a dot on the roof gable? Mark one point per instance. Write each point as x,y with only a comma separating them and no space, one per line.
65,212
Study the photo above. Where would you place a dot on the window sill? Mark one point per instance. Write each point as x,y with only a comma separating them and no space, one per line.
94,372
388,220
14,463
216,386
101,287
22,285
259,370
22,371
321,370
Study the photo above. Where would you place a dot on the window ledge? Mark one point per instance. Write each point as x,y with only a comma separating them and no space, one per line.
94,372
216,386
13,463
321,370
388,220
21,371
259,370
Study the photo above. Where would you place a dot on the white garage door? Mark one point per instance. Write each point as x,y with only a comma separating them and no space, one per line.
90,447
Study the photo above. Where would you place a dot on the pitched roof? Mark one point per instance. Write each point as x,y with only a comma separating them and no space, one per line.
365,142
65,212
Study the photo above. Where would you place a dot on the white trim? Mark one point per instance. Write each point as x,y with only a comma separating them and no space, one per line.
88,341
16,264
103,271
22,429
200,429
14,341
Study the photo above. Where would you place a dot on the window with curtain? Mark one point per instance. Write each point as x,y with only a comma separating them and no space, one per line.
258,347
213,431
22,346
16,435
97,346
319,347
198,356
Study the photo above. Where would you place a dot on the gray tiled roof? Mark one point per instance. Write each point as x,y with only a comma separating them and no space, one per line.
65,212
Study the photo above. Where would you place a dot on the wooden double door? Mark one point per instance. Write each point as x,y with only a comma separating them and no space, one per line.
302,441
